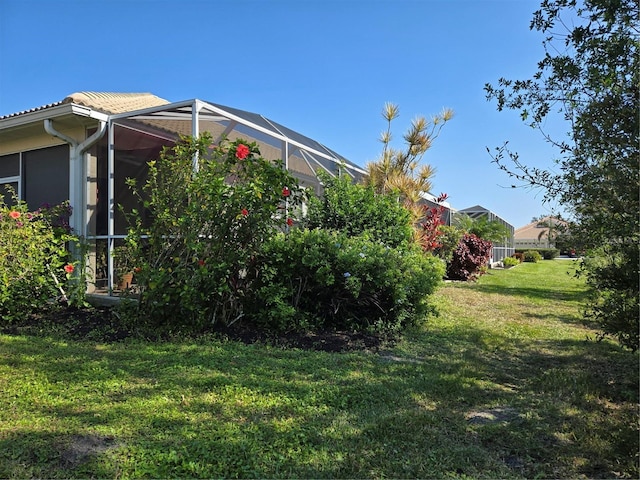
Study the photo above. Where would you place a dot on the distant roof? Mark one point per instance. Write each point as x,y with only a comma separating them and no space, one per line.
478,211
476,208
534,229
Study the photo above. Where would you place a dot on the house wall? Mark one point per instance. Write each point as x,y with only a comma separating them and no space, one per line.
38,138
31,143
534,243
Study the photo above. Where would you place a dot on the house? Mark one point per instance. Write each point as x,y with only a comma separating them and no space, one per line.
502,249
541,233
84,147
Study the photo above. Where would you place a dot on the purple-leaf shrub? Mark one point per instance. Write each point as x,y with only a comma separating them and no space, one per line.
471,254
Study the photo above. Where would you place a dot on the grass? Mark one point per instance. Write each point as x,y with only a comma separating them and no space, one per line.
507,382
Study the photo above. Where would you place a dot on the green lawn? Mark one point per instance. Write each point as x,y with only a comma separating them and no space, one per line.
507,382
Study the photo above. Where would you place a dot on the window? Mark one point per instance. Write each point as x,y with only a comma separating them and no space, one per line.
10,177
45,174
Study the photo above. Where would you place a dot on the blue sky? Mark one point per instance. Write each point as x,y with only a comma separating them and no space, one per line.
322,67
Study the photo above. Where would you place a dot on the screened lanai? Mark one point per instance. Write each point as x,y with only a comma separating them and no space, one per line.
136,137
500,250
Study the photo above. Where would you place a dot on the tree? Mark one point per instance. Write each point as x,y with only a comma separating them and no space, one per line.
482,227
591,77
399,169
552,227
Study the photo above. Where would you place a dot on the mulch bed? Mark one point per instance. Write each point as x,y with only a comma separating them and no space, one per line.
103,324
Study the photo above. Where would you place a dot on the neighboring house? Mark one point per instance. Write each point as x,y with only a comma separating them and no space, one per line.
539,234
500,250
83,149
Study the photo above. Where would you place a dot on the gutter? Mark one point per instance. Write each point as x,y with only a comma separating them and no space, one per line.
77,172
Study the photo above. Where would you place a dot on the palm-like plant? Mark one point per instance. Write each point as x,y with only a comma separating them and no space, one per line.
399,170
482,227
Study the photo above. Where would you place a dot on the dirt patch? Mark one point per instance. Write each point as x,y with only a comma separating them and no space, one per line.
492,415
82,448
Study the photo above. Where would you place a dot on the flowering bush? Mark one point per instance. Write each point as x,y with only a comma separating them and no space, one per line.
35,266
320,279
471,254
197,256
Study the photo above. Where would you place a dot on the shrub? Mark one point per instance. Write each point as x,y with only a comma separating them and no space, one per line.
449,239
429,229
35,266
546,253
355,209
471,254
612,275
510,262
317,279
197,256
532,256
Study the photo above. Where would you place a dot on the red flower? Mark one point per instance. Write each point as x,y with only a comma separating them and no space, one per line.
201,262
289,221
245,212
69,268
14,214
242,151
286,192
137,270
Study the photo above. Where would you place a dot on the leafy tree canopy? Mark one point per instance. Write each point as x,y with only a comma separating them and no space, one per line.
591,77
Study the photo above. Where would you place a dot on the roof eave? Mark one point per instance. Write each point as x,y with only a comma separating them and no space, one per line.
51,113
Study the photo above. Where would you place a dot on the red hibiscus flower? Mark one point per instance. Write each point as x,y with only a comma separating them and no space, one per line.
286,192
69,268
245,212
289,221
242,151
14,214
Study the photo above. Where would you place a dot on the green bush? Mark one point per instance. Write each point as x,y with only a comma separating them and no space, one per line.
318,279
546,253
532,256
510,262
612,275
35,266
197,258
354,209
449,239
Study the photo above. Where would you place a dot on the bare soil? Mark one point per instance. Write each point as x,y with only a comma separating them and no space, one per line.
104,325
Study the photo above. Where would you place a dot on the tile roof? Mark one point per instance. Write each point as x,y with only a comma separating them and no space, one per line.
112,102
106,102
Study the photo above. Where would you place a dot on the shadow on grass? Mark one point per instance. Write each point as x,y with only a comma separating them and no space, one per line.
537,292
232,410
224,409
